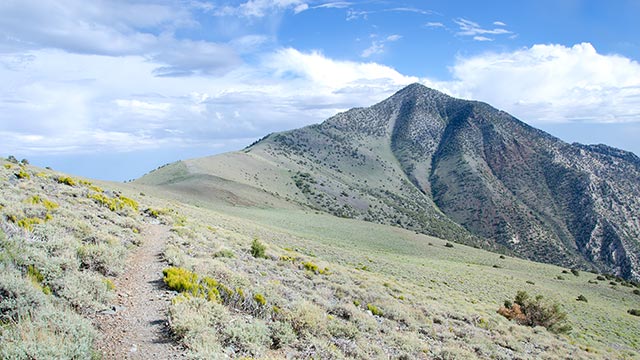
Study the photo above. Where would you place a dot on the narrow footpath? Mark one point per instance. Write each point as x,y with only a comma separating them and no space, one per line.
136,325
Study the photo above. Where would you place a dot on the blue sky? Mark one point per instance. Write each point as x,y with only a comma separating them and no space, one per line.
113,89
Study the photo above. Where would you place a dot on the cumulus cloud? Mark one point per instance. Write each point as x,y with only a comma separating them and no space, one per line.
116,103
556,83
113,28
114,76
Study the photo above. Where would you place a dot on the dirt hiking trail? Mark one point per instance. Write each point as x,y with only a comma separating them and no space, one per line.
136,325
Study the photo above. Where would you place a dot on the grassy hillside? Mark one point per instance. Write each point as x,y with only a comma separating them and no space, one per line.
444,167
325,287
434,301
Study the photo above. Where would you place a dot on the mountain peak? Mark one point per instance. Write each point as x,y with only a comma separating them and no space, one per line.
463,170
418,90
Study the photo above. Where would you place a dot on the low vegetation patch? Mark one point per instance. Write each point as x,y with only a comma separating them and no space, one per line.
115,203
21,174
66,180
53,259
188,283
258,249
535,312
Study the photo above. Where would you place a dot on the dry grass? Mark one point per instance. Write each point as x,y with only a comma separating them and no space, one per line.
58,248
321,288
342,313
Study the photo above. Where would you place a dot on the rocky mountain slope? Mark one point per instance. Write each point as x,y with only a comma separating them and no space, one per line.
452,168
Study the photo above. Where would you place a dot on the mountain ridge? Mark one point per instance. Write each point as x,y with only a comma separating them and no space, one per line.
456,169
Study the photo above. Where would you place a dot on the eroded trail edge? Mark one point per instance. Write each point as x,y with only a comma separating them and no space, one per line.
136,325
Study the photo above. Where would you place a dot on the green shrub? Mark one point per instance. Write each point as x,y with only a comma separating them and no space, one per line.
582,298
259,298
636,291
224,253
374,310
449,245
104,258
110,285
307,319
66,180
49,333
128,202
258,249
26,223
535,312
49,205
115,203
342,329
187,282
18,296
308,265
37,279
193,315
85,291
287,258
601,278
575,272
21,174
282,334
247,338
180,279
634,312
35,199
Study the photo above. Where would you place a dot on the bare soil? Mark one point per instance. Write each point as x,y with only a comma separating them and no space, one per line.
136,326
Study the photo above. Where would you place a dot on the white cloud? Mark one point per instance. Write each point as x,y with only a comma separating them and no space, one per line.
434,24
355,15
364,14
69,103
334,5
84,77
552,83
112,28
477,32
410,9
261,8
300,8
499,23
74,103
378,46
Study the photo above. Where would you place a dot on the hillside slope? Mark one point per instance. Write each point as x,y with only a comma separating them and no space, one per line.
321,287
451,168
